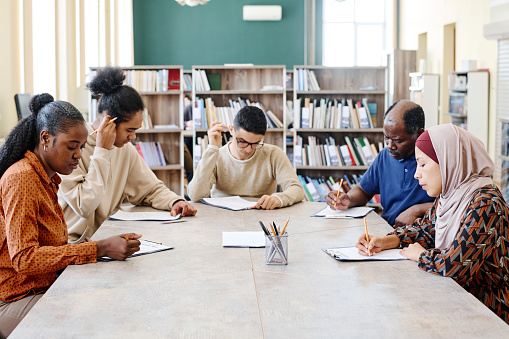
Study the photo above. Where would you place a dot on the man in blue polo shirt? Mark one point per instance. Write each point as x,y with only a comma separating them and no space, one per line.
392,173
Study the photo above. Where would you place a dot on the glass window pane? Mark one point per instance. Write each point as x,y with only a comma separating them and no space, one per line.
370,45
370,11
338,44
44,58
91,34
338,11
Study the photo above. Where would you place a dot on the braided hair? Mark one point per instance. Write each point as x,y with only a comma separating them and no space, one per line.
47,114
118,100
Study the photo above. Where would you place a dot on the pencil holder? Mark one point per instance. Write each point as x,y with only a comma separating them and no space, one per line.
276,250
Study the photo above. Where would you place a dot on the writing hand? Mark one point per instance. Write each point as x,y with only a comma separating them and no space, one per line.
337,203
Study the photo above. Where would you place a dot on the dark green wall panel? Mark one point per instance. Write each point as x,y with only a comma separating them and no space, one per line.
166,33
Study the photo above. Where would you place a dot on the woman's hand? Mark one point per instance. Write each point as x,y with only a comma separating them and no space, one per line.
413,252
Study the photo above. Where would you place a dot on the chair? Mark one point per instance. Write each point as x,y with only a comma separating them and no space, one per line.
22,100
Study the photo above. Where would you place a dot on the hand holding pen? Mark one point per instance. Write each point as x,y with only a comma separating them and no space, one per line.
106,133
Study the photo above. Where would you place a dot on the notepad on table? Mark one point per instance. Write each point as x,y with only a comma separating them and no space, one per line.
146,247
352,212
243,239
143,216
234,203
352,254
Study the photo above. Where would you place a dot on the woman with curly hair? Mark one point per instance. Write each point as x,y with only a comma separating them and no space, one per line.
33,232
111,169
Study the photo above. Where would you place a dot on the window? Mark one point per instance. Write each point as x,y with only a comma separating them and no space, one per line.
354,32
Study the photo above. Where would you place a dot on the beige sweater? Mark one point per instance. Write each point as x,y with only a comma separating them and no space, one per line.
103,179
220,174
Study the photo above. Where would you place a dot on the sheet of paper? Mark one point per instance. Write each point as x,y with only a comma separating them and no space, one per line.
234,203
145,216
353,212
352,254
243,239
146,247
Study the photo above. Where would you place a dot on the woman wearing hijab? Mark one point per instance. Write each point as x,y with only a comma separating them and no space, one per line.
464,235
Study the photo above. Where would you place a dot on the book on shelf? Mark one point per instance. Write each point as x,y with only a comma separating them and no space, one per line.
355,151
188,82
153,80
306,80
151,152
173,79
147,121
202,82
214,79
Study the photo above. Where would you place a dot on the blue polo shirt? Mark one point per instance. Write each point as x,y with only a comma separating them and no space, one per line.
394,181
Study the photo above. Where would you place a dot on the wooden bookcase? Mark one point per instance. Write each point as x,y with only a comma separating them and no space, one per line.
247,83
165,108
339,83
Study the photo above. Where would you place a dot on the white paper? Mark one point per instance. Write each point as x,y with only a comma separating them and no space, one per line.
143,216
243,239
352,212
352,253
146,247
234,203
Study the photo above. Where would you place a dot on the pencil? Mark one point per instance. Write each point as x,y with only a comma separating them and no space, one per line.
215,118
339,190
284,227
367,235
126,237
109,122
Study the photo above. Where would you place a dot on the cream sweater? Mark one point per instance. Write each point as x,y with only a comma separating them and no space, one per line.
220,174
103,179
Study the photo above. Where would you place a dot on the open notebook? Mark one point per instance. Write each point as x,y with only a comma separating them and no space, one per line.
352,254
146,247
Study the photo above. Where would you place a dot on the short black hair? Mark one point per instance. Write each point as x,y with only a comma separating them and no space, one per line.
119,100
413,118
251,119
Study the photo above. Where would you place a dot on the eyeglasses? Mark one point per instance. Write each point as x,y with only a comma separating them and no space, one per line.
243,144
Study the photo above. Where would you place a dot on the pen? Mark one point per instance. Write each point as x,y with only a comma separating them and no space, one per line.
339,190
284,227
275,228
264,228
109,122
367,235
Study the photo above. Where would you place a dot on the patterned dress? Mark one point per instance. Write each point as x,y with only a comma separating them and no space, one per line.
478,257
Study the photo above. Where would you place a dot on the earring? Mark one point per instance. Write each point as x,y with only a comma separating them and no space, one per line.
45,148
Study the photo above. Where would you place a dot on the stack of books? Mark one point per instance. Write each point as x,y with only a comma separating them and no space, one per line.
306,80
316,189
333,113
355,151
151,152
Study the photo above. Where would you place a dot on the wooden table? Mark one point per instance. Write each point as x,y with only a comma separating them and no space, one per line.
202,290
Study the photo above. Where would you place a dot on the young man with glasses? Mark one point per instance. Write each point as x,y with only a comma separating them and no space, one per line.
245,166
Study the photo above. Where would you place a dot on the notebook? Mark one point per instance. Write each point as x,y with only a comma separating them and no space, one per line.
146,247
352,254
234,203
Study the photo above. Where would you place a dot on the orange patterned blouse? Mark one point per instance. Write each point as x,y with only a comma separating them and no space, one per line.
33,233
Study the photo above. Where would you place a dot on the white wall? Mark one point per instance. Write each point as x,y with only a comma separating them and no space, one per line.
9,84
470,16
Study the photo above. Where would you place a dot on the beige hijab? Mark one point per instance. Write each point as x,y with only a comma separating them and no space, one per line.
465,167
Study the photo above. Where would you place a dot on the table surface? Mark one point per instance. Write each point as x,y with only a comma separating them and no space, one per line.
202,290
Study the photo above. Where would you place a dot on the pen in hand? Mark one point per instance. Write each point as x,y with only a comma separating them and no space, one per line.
109,122
339,191
367,235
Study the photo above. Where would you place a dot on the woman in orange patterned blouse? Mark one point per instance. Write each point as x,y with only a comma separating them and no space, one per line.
465,234
33,233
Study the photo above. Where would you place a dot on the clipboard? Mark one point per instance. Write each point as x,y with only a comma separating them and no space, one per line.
352,212
352,254
146,247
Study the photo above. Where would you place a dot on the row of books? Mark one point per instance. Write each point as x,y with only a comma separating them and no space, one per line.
151,152
188,82
355,152
333,113
205,112
206,82
306,80
316,189
457,82
153,81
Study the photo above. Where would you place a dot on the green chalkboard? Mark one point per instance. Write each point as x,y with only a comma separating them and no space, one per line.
166,33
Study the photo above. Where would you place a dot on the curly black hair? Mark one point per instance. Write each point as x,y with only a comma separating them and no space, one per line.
251,119
53,116
413,118
118,100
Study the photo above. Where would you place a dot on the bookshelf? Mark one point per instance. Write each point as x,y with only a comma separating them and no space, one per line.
166,113
424,91
242,84
336,85
469,102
